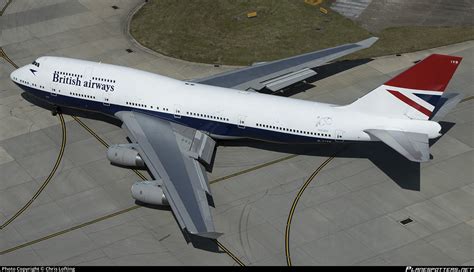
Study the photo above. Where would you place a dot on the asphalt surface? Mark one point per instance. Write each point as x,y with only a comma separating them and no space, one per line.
348,213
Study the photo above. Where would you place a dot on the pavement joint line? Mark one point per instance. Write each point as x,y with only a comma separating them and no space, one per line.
86,127
48,179
69,229
248,170
295,203
104,143
5,57
237,260
5,7
467,98
91,222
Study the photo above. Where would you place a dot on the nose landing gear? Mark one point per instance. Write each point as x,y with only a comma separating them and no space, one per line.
55,110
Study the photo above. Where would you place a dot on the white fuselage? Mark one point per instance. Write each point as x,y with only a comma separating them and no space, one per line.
222,112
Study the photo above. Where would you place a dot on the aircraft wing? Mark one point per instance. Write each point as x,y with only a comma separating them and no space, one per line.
414,146
276,75
171,152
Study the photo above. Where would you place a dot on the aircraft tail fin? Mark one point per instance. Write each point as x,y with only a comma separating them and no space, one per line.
413,94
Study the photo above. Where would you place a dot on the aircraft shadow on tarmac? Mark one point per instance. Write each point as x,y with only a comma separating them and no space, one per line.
402,171
322,71
197,241
72,111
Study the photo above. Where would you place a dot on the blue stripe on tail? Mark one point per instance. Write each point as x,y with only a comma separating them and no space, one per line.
432,99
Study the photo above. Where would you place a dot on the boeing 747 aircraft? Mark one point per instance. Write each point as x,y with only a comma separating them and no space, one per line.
173,124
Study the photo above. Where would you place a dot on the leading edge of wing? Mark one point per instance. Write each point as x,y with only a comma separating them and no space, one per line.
253,76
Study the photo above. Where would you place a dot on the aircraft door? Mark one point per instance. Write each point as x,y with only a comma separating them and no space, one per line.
54,89
105,97
339,134
177,111
241,122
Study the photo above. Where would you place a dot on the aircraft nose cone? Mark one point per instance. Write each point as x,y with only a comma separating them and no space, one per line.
13,75
17,73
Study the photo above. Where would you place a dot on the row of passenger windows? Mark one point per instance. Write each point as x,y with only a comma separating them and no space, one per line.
82,95
103,79
143,105
207,116
70,74
178,112
28,83
294,130
136,104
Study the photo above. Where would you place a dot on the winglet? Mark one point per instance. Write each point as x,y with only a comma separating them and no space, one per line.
210,235
368,42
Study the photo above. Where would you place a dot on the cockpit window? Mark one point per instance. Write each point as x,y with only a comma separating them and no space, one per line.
35,63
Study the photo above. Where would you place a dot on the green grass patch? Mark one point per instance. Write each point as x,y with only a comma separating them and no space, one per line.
211,31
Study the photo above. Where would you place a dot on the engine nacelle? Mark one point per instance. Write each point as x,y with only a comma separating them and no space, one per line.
124,155
149,192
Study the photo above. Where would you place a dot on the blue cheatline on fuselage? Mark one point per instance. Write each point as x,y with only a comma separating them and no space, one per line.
211,126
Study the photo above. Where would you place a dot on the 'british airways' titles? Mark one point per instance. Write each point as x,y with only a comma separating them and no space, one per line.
76,81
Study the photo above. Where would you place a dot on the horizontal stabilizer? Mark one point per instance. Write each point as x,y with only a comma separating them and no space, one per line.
414,146
447,103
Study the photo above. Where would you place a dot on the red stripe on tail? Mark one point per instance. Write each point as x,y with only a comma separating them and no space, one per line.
410,102
433,73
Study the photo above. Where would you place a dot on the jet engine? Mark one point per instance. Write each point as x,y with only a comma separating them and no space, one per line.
149,192
125,155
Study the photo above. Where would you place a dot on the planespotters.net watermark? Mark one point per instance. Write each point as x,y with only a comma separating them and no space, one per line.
438,269
38,269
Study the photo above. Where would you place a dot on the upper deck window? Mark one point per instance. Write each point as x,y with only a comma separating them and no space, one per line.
35,63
